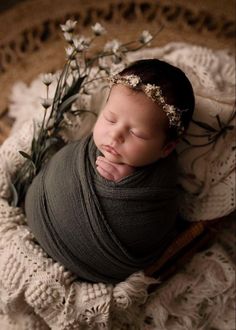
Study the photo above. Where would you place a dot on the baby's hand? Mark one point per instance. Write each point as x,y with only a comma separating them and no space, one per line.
112,171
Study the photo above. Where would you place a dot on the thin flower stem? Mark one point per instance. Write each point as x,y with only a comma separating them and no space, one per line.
89,81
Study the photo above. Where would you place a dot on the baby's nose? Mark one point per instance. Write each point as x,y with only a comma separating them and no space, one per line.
117,135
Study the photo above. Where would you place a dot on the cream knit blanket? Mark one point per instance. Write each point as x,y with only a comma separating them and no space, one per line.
37,293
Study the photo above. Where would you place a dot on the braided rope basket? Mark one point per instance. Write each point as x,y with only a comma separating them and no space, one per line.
33,44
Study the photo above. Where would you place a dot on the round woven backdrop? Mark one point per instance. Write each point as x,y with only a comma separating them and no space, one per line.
31,41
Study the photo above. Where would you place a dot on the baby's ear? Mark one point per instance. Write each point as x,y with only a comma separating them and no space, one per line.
168,148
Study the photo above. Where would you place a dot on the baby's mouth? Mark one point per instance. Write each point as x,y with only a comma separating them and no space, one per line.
110,149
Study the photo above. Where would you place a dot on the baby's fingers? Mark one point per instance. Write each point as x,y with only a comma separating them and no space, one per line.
106,169
102,162
104,173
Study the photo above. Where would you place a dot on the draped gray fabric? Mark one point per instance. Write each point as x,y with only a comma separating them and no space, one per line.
99,229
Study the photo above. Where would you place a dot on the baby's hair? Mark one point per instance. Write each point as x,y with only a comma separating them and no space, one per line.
175,86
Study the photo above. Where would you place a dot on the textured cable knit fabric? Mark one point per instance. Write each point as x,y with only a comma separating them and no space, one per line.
37,293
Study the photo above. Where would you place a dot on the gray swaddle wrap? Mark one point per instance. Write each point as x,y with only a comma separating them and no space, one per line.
99,229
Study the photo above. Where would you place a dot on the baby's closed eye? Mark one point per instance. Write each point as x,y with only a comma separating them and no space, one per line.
139,135
111,119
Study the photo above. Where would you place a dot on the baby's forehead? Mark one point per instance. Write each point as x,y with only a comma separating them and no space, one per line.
135,105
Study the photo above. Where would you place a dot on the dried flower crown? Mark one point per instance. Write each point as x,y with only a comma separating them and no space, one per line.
155,94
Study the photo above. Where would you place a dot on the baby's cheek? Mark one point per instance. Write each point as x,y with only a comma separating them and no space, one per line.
97,129
95,136
132,156
138,155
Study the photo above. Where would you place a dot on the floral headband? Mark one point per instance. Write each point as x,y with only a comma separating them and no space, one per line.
155,94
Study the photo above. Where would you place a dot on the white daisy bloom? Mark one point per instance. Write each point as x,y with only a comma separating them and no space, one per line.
69,26
70,51
47,79
145,37
113,46
81,43
68,36
134,80
46,102
98,29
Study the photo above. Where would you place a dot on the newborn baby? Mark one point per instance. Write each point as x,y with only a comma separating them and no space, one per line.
105,206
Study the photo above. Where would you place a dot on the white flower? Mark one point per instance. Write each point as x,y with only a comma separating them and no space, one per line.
46,102
86,41
68,36
153,92
134,80
78,44
98,29
47,79
162,100
131,80
73,65
81,43
145,37
70,52
69,26
113,46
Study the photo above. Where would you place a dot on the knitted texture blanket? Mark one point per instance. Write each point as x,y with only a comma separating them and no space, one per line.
37,293
101,230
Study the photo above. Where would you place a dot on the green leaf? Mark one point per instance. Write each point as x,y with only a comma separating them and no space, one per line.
66,104
25,155
75,87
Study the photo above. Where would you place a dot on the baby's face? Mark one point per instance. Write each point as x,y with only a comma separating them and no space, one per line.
131,128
